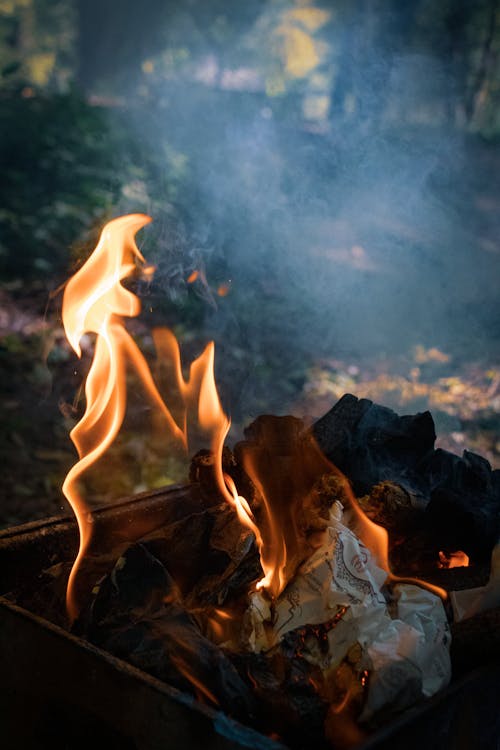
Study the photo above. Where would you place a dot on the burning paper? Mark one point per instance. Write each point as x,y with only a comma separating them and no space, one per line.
319,569
404,645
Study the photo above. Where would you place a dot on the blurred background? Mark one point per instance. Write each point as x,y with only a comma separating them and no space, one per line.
324,179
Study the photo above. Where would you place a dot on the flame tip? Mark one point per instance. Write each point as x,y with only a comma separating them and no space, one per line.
95,301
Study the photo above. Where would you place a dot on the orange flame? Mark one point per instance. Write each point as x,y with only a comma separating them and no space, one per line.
95,301
457,559
284,465
376,538
212,419
220,624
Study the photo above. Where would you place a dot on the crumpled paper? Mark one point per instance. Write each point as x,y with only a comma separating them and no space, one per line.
404,647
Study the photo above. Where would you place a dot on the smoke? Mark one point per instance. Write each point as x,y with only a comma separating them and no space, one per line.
370,234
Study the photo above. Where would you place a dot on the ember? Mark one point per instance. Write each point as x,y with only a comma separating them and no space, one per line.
453,559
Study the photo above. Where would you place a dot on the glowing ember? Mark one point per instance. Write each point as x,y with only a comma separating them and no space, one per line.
453,559
203,694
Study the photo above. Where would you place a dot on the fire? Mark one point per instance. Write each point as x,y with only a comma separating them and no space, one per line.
284,469
95,301
376,538
457,559
284,466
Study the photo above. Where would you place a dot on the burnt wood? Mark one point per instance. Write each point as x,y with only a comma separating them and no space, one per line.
370,444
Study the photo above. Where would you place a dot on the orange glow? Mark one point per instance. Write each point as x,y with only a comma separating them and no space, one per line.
192,277
148,272
284,465
372,535
453,559
203,694
342,705
223,290
223,615
220,625
285,480
376,538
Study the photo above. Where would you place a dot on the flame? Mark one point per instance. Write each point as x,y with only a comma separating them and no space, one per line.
376,538
456,559
212,419
95,301
283,466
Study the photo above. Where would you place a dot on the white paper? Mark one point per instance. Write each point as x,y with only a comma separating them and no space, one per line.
407,654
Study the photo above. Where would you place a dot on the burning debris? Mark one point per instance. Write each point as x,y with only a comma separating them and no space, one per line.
355,647
274,594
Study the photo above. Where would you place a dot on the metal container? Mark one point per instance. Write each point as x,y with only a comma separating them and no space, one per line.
58,691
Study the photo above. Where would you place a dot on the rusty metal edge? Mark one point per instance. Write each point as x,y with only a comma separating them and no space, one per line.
230,734
67,519
21,546
227,728
479,689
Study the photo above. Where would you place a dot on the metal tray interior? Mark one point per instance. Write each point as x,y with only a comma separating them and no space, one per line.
59,691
